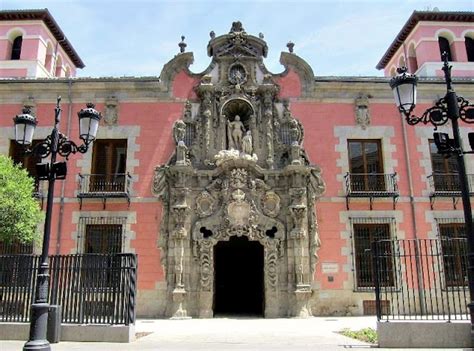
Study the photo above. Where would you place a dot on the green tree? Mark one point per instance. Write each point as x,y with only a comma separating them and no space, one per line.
20,213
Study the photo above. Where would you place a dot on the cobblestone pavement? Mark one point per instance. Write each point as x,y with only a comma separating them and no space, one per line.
318,333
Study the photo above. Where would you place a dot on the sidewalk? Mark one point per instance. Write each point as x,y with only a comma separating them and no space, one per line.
317,333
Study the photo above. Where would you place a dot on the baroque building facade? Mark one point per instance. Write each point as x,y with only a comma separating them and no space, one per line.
240,190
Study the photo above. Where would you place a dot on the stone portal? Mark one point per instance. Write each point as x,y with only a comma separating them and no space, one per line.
239,181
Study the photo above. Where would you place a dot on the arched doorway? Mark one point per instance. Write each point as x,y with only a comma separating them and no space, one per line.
239,280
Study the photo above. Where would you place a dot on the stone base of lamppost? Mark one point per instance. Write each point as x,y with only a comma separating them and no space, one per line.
39,325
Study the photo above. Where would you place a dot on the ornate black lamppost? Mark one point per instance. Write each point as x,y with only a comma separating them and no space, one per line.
56,143
449,108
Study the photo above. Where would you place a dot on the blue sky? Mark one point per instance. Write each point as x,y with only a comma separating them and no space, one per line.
136,38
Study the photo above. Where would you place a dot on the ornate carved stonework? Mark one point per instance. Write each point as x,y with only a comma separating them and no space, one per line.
362,111
111,111
239,170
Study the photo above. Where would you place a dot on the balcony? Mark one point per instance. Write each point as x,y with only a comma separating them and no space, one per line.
447,185
104,186
371,185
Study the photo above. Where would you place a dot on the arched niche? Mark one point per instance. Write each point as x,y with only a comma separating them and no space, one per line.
238,107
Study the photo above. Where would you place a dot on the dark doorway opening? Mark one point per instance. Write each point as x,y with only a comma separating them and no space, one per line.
239,285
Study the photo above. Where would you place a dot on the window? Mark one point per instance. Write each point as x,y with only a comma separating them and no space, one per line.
109,165
16,48
444,47
103,238
26,161
365,165
454,248
445,170
412,61
469,49
364,235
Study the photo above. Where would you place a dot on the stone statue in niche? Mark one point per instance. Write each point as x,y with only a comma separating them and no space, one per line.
235,130
179,133
247,143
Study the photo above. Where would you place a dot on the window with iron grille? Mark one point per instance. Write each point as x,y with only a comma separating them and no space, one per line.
364,235
365,165
102,237
445,170
109,164
454,249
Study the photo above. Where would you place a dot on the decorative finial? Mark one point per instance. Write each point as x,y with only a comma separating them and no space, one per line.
90,105
290,45
212,34
182,45
237,27
260,35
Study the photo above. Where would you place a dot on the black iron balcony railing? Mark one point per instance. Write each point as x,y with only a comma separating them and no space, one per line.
104,186
447,185
371,185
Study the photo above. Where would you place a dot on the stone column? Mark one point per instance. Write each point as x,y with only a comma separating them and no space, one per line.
179,235
272,305
299,237
206,258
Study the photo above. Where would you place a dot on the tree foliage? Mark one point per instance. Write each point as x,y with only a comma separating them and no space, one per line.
20,213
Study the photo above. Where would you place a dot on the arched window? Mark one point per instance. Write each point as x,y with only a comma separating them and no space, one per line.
412,61
16,48
49,57
59,67
401,62
444,47
469,49
393,72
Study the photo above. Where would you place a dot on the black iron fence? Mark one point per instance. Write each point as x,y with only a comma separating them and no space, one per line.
91,288
430,279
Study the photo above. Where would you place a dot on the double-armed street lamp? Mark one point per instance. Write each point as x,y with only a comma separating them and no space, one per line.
449,108
56,143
